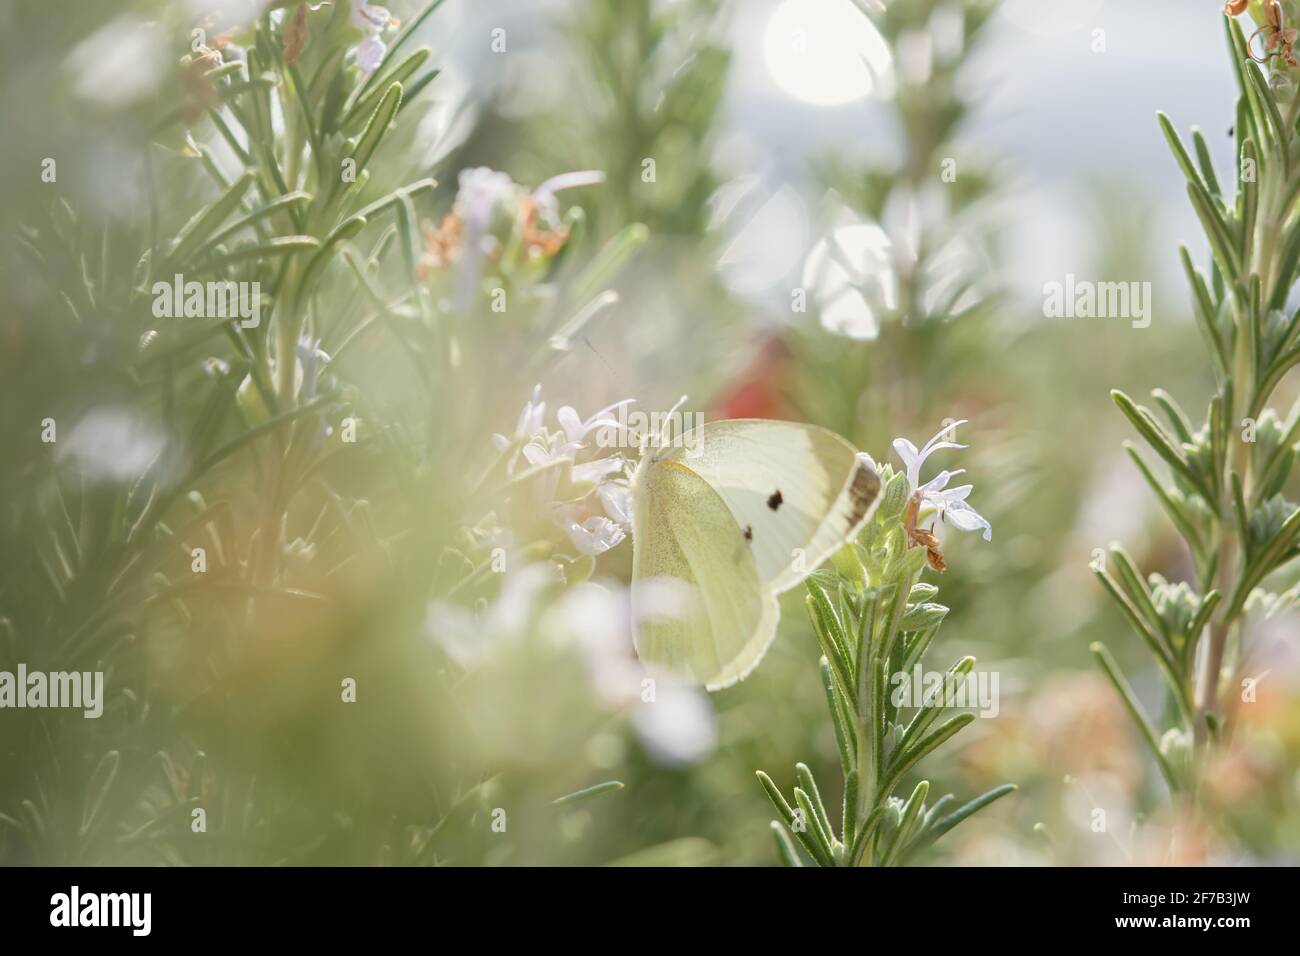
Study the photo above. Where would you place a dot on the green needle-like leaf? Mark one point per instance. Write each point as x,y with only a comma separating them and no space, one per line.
205,222
784,846
377,126
1177,148
817,835
907,759
1135,710
942,825
1160,441
844,735
609,786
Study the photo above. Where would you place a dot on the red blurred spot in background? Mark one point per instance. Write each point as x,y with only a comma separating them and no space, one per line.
761,389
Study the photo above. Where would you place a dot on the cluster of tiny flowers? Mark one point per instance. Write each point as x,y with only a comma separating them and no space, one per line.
590,500
492,213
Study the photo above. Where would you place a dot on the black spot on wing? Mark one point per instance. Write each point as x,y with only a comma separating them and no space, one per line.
749,532
775,500
863,490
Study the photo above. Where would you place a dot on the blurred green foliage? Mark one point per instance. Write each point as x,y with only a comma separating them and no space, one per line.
226,690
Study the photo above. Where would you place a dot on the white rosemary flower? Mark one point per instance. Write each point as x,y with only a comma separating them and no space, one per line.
598,516
948,503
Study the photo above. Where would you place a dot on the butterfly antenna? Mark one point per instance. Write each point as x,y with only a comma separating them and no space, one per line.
668,420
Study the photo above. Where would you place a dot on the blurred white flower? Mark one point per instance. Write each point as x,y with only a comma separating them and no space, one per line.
593,617
617,499
673,720
853,274
530,420
110,444
915,51
482,196
949,503
576,430
471,637
596,616
120,63
594,534
677,727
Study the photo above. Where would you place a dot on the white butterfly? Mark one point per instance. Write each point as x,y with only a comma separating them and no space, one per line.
746,509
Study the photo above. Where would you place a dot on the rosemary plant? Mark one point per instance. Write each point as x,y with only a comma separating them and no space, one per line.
658,71
215,476
930,301
1225,490
874,618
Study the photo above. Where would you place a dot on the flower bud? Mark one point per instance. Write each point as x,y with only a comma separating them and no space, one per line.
894,498
918,617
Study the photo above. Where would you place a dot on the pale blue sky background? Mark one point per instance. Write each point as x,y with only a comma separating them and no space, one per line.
1058,115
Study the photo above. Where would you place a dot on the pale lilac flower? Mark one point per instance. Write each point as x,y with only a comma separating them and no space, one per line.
312,359
601,479
949,503
480,189
370,53
373,19
594,535
546,484
481,192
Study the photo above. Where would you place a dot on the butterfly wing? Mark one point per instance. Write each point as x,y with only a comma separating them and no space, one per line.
798,491
701,609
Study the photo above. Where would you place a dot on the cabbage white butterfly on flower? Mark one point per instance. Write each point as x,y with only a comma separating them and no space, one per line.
725,522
